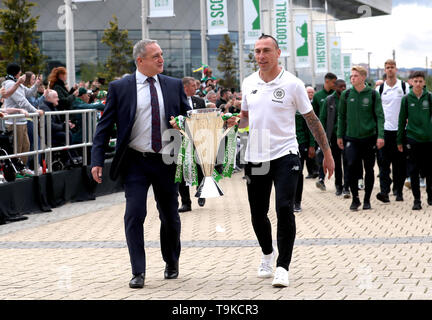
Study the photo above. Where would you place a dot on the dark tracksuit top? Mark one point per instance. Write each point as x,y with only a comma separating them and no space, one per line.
356,117
418,114
318,100
323,114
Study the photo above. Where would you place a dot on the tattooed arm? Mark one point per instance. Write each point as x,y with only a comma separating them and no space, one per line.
319,134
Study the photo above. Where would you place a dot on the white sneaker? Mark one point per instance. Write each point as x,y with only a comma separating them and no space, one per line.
27,171
281,278
422,183
265,269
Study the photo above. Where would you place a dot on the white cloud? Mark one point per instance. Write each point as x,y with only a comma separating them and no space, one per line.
407,30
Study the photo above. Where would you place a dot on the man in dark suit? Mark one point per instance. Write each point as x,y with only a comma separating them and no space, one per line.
141,105
189,86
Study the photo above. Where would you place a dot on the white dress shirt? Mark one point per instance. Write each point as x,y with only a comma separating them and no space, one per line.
190,102
141,135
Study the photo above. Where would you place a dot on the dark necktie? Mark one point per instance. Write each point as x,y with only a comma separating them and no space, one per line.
156,127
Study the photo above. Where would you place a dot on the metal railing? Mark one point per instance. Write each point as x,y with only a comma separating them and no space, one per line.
89,121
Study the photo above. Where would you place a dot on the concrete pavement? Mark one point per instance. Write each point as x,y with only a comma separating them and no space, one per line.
78,251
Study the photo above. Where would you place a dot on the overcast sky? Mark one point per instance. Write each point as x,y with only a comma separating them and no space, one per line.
408,30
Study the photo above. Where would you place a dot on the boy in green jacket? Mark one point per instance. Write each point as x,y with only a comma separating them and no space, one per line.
415,132
360,131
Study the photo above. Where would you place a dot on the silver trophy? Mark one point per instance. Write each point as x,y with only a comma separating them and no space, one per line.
204,127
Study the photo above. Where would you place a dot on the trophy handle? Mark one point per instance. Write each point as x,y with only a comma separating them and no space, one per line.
228,129
183,133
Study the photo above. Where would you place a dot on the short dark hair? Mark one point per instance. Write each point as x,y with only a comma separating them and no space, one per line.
223,91
339,81
266,36
13,69
418,74
330,76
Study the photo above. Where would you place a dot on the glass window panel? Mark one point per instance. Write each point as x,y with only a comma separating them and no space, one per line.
85,45
85,35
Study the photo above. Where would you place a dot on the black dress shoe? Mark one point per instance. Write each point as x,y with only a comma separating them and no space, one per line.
355,204
185,208
417,205
137,281
399,197
201,202
171,271
383,197
366,205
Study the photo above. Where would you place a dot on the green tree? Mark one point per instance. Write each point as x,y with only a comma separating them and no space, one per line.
17,36
119,61
226,63
251,61
88,71
429,82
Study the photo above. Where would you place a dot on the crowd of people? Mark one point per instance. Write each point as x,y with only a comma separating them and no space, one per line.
366,124
27,93
388,123
346,130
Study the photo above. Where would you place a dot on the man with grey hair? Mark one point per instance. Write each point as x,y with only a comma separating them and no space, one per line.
211,97
141,106
310,91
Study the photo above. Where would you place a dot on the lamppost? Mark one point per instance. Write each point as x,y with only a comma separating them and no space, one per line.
69,35
369,74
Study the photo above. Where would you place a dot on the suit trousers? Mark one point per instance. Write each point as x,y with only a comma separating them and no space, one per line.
184,189
284,173
140,172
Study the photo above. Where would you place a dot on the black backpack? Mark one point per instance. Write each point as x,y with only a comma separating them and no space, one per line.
381,88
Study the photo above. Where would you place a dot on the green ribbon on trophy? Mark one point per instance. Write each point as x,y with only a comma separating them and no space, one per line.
186,161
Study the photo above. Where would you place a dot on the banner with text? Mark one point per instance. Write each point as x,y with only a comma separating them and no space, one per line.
320,38
301,31
281,26
336,56
252,20
161,8
217,18
347,65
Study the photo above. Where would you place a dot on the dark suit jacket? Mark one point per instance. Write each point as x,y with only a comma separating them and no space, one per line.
57,124
198,103
120,109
